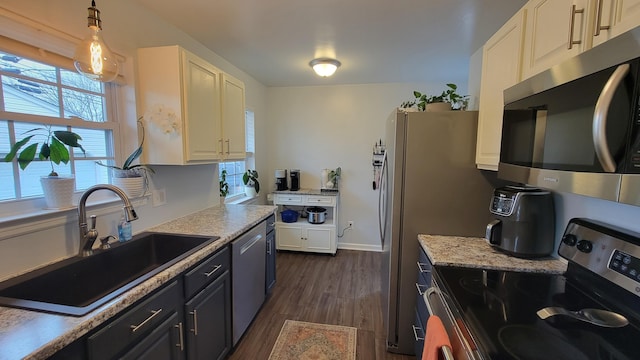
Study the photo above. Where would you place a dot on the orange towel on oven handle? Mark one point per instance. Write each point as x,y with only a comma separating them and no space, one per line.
435,337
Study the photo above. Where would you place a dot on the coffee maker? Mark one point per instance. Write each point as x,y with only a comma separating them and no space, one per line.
281,179
295,179
524,224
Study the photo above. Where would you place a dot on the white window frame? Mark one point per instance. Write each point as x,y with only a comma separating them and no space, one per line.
10,210
249,161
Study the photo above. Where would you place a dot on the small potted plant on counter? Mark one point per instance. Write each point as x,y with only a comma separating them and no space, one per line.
58,189
251,184
132,179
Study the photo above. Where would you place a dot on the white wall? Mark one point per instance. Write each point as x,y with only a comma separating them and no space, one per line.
313,128
127,27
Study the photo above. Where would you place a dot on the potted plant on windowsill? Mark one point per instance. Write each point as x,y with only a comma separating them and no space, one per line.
224,186
52,144
132,179
449,99
251,184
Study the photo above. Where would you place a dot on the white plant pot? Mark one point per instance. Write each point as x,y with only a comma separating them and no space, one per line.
132,186
438,106
250,191
58,191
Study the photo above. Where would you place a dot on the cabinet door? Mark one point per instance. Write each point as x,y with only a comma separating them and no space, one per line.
165,342
501,68
289,237
208,321
233,118
627,16
550,27
201,109
319,239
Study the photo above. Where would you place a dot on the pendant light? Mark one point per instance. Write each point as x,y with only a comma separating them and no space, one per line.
93,58
324,67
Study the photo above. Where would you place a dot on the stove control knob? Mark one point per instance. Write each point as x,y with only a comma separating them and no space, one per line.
585,246
569,239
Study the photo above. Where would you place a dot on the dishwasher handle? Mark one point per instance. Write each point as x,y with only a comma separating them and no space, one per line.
250,243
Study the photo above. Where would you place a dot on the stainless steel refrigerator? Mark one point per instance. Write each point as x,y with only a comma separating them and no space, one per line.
429,185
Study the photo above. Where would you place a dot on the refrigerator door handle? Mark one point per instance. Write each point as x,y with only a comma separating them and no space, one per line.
383,187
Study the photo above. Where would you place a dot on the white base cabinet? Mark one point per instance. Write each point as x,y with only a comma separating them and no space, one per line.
302,235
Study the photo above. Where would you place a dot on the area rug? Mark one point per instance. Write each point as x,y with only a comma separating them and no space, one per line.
305,341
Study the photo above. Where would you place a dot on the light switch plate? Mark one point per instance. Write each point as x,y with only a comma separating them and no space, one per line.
159,197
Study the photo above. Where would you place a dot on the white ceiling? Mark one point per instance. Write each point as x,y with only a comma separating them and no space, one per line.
377,41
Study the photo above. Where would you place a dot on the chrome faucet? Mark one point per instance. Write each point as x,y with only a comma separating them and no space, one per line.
89,236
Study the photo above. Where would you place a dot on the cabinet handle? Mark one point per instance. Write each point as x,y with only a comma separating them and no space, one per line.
154,313
216,268
422,269
415,333
446,352
195,322
221,147
420,292
181,337
268,246
599,26
228,147
572,22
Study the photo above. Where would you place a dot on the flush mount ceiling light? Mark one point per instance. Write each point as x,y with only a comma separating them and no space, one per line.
93,58
324,67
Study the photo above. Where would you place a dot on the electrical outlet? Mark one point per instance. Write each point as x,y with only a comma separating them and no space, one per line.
350,224
159,197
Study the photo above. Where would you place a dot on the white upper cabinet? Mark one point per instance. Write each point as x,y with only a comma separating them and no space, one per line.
555,30
501,68
193,113
179,97
614,17
233,138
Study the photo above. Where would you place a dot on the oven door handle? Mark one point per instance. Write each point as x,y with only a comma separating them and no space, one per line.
447,353
430,291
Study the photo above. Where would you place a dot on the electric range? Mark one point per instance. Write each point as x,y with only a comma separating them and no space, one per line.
492,314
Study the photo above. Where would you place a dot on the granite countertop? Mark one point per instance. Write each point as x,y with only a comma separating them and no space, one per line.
307,192
28,334
477,253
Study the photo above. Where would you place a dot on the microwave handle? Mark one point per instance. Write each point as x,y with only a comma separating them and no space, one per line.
600,118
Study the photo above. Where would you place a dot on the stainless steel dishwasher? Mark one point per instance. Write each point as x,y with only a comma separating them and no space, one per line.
248,277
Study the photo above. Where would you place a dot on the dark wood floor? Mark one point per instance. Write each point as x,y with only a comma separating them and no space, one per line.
341,290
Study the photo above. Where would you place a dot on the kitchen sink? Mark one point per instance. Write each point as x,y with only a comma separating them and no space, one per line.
78,285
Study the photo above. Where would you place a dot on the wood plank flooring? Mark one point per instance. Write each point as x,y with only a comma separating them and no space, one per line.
341,290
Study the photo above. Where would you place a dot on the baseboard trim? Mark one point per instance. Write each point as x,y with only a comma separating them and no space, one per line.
359,247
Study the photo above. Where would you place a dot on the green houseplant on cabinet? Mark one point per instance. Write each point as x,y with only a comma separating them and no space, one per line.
251,184
447,100
132,179
50,145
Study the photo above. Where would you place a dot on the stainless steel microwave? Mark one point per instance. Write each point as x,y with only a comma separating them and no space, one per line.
576,127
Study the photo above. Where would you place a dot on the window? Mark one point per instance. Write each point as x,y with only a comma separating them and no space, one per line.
34,94
235,169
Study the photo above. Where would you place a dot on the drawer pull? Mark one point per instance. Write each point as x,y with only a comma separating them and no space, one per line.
154,313
422,269
180,336
216,268
195,322
415,333
418,286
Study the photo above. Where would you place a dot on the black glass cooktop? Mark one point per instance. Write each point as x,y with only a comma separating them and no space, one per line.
499,308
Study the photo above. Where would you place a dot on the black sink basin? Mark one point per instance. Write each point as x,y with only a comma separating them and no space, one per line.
78,285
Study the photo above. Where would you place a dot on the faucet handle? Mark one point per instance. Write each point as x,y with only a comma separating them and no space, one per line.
105,242
93,222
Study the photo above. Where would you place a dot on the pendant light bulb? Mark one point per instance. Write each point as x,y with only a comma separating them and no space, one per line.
93,58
